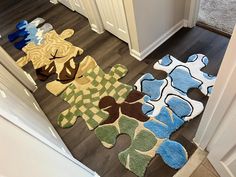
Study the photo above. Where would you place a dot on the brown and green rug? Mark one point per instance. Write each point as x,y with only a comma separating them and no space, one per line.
54,55
84,97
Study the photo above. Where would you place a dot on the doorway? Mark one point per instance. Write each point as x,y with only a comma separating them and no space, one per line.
218,14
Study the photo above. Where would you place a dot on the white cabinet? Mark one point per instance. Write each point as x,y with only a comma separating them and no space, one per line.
75,5
111,13
67,3
114,18
223,148
144,25
79,7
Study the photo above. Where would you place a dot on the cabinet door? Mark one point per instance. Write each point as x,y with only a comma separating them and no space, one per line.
18,106
113,17
222,147
67,3
120,17
79,7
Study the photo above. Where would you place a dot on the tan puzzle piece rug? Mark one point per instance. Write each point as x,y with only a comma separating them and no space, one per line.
54,56
84,98
56,87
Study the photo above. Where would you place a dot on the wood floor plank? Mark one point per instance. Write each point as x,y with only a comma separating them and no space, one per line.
108,51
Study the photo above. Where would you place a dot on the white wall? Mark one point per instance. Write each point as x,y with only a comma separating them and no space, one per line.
22,155
149,21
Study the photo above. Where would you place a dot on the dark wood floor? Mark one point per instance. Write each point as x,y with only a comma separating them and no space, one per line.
108,50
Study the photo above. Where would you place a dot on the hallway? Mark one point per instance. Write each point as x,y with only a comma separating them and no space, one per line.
218,14
107,51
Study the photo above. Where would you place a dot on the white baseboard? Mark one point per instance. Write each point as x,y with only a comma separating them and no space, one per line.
33,89
95,28
136,54
186,23
141,55
54,1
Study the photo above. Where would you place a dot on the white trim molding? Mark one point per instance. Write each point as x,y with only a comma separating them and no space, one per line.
54,1
7,61
96,29
141,55
94,17
224,92
186,22
193,13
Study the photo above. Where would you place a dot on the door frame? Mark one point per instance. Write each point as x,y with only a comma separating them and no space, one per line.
7,61
193,12
221,98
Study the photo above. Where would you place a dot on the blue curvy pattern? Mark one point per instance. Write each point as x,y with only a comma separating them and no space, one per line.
165,61
208,76
173,154
165,123
151,86
180,106
29,32
21,32
182,79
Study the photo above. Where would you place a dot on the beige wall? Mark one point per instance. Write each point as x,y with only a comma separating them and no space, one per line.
151,19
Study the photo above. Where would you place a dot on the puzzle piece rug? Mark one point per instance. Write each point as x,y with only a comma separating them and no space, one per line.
128,118
30,32
172,91
84,97
187,75
167,106
56,87
54,56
